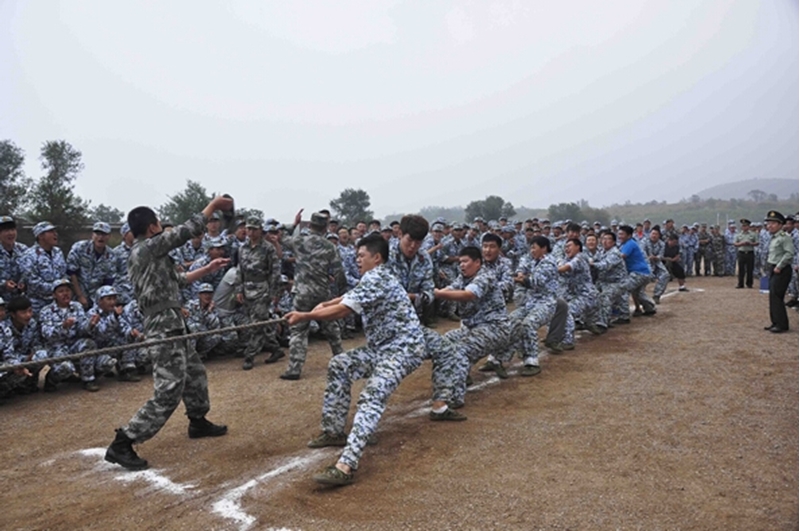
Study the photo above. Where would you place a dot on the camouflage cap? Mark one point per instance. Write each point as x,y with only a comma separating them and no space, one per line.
319,220
386,228
125,228
61,282
42,227
332,236
274,228
216,243
270,221
254,223
437,227
508,229
106,291
205,287
7,222
101,226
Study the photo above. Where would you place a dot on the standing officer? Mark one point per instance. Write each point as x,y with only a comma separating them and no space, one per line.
779,264
745,243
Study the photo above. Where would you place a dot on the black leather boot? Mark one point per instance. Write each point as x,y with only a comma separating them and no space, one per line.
121,452
203,428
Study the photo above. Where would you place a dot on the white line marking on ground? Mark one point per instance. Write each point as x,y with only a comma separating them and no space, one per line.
153,476
230,505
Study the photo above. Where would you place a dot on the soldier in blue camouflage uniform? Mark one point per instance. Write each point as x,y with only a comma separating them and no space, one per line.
121,253
689,245
395,347
485,326
215,248
135,321
42,264
91,264
202,318
611,272
581,294
21,342
499,266
191,251
65,331
11,252
413,267
318,263
542,288
109,329
178,372
730,249
451,247
257,285
653,250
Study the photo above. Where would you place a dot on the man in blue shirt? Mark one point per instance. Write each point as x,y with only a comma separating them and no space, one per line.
639,274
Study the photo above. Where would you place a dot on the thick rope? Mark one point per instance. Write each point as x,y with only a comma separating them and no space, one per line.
130,346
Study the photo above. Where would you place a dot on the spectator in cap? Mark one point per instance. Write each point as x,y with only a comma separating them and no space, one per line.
65,331
90,264
386,233
42,264
318,271
213,229
257,286
215,248
396,234
109,329
203,317
11,252
688,244
779,264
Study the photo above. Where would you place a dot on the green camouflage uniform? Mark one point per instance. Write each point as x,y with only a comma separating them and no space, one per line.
257,280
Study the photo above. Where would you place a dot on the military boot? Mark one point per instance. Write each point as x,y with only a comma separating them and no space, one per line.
121,452
203,428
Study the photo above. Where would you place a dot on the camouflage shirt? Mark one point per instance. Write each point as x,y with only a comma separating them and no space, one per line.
156,282
201,319
21,344
542,282
610,266
489,305
317,261
10,266
259,271
578,280
502,271
415,275
93,270
121,281
654,249
386,311
52,319
111,329
40,269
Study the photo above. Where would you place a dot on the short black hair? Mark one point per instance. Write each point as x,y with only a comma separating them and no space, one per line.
609,233
472,252
492,237
18,303
393,223
140,218
543,242
573,227
576,241
672,237
375,222
375,244
627,229
656,228
415,226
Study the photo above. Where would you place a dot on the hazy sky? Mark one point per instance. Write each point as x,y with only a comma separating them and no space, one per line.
285,104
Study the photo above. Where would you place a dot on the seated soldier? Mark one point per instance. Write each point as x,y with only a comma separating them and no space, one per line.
215,248
109,329
203,317
22,342
65,330
9,381
134,321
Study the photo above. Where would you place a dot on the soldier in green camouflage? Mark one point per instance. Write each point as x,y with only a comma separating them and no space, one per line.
718,251
317,262
178,372
257,287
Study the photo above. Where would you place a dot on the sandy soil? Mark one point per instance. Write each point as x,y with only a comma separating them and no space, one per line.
688,420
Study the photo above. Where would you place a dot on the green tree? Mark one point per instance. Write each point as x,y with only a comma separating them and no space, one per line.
52,197
246,213
757,195
432,212
491,208
595,214
351,206
185,204
564,211
106,213
13,183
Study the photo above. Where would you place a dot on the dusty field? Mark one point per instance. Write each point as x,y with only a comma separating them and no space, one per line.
688,420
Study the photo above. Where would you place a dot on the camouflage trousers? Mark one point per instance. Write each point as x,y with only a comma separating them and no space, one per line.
448,367
719,263
178,374
704,255
263,338
384,370
234,340
127,359
730,260
584,308
298,334
635,284
611,295
662,279
204,345
472,344
61,370
525,324
90,366
792,291
688,261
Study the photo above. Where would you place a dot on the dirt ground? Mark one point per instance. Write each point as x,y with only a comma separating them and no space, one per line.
687,420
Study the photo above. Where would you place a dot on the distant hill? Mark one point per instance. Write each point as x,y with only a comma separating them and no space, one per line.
783,188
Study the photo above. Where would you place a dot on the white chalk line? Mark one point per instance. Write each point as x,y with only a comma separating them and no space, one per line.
154,477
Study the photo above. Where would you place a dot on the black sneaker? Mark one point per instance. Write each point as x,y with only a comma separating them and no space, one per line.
290,375
91,386
203,428
530,370
324,439
121,452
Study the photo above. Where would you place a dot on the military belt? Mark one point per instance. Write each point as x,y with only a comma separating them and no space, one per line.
160,307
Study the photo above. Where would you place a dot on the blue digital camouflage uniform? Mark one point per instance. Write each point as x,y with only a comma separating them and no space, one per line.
415,275
581,294
60,341
11,268
348,256
449,369
204,319
39,270
540,304
178,372
689,245
523,268
190,292
121,281
656,250
188,253
112,330
485,326
9,381
502,271
611,272
395,347
317,262
730,251
93,270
